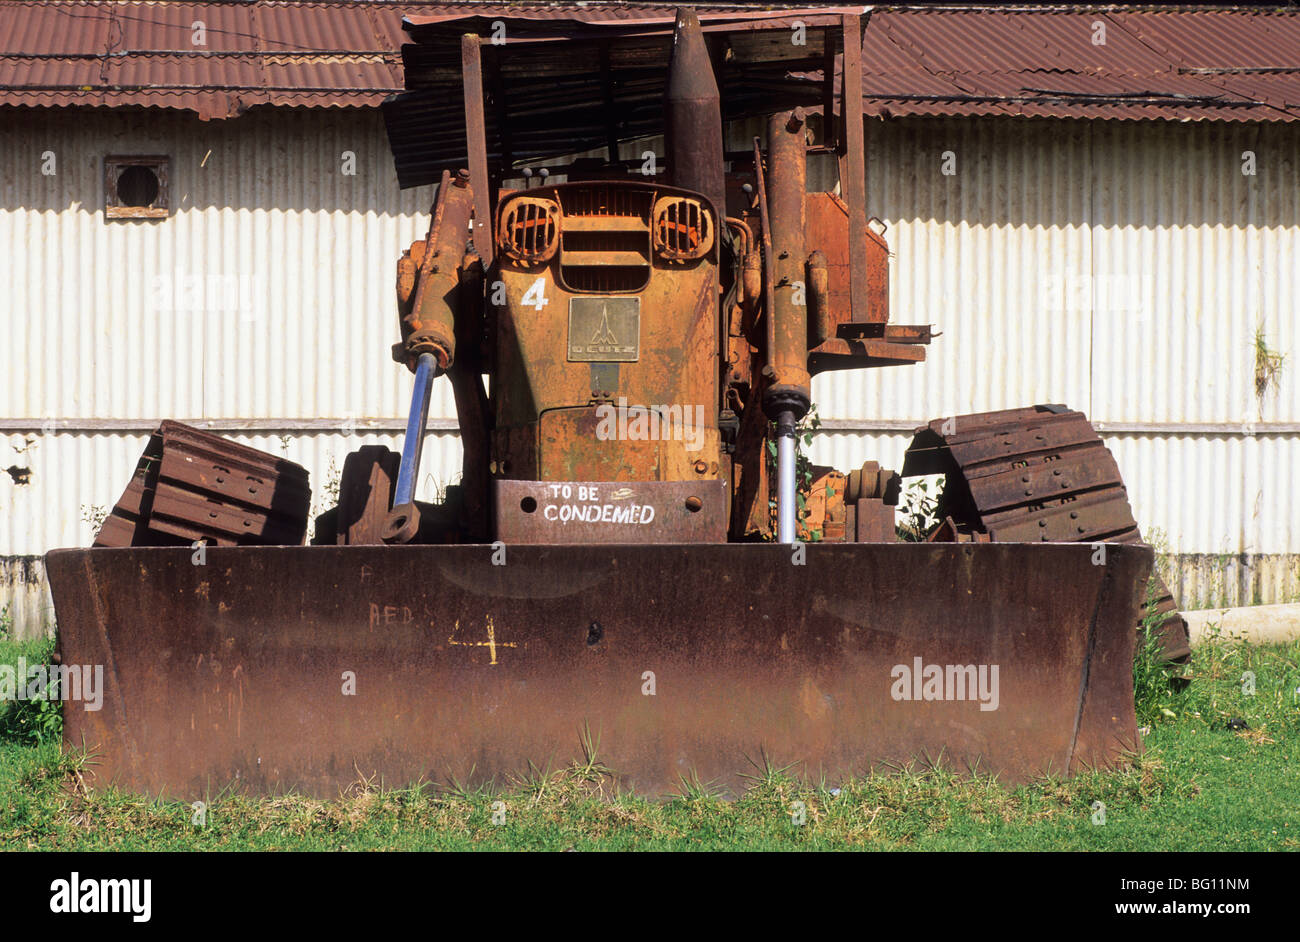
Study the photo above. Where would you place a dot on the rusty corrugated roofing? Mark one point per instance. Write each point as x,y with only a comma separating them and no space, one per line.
1169,63
572,20
263,52
548,98
604,80
1238,64
1162,63
115,53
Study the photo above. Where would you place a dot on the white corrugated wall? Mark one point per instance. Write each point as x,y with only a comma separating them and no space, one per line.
267,294
1120,267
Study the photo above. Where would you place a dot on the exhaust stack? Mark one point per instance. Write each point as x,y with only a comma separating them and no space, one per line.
693,114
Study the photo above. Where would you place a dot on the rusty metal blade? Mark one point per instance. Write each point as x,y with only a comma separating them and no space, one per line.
681,660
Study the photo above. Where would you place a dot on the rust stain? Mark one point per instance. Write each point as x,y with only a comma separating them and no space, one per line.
738,675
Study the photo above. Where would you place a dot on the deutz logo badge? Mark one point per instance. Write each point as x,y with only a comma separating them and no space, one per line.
604,330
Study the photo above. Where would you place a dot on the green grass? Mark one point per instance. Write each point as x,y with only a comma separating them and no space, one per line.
29,721
1198,786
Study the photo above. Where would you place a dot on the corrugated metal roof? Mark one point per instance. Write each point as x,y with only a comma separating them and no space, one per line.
114,53
608,20
1238,64
1167,63
1163,63
261,52
605,79
1061,63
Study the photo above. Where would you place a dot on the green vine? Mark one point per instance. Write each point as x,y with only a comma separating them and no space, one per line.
919,509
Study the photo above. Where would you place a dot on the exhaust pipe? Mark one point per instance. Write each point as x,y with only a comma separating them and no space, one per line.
693,114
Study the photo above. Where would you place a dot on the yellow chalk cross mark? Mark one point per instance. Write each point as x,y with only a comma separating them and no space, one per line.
491,643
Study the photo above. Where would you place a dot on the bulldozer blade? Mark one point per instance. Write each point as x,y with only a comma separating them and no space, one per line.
277,668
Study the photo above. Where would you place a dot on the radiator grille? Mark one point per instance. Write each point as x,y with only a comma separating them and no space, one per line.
605,234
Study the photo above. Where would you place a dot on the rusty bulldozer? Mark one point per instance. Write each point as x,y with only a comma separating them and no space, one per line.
628,557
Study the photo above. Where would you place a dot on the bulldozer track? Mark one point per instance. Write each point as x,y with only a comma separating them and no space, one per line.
191,485
1039,474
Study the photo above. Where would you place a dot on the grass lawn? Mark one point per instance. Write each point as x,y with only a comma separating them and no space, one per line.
1198,786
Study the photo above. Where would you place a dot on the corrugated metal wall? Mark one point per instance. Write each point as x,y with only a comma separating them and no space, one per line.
1120,267
267,294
